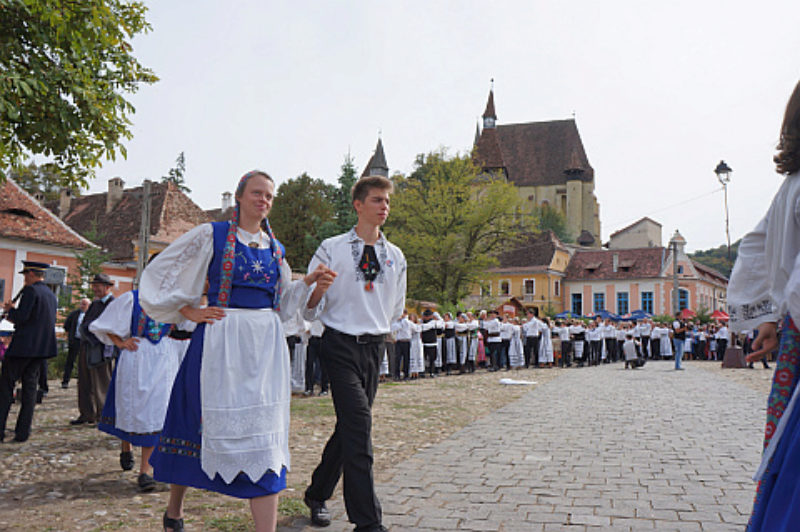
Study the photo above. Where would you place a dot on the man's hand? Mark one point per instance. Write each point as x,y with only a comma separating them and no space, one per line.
765,342
324,278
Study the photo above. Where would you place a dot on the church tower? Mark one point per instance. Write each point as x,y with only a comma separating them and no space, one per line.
377,163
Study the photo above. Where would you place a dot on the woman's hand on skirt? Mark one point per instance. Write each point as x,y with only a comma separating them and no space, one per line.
766,341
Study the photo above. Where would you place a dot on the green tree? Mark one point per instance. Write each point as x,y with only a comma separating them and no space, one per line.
66,67
176,174
450,221
302,206
717,258
552,219
90,263
40,178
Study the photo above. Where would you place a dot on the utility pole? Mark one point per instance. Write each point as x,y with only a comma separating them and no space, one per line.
674,245
144,232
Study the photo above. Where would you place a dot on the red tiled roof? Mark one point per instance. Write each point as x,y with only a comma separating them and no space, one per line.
532,253
23,218
536,153
709,272
598,264
172,213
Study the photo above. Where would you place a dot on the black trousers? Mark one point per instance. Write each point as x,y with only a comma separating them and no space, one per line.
645,347
566,351
27,370
402,355
353,370
611,347
313,363
532,351
430,356
722,345
72,353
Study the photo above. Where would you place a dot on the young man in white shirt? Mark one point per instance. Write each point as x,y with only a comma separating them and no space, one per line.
367,296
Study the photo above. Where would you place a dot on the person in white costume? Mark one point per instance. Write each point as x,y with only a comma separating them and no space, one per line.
137,397
227,424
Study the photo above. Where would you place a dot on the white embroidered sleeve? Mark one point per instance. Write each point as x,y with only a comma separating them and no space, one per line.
400,295
115,319
177,276
294,294
749,300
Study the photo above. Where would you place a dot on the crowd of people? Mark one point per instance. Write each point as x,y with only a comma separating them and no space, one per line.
430,344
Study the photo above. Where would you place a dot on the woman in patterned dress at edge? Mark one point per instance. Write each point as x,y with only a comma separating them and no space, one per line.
765,289
138,394
235,375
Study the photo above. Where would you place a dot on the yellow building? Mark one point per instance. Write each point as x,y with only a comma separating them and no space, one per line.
532,273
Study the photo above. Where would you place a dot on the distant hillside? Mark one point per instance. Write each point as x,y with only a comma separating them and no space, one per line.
717,258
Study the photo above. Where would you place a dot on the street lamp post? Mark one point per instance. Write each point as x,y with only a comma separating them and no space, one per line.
723,172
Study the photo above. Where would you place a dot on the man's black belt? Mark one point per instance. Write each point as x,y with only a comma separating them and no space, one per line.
361,338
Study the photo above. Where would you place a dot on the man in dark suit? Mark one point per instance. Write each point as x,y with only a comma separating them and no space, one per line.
71,326
93,381
34,339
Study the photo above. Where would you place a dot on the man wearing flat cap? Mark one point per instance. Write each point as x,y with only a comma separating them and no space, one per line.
34,339
94,376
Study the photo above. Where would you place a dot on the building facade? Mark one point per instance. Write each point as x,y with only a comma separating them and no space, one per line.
548,164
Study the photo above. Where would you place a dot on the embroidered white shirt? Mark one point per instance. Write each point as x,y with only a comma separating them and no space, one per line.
347,306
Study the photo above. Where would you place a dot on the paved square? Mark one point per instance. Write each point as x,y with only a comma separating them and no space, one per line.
598,448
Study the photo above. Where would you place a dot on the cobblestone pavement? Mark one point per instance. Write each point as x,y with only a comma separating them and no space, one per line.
597,449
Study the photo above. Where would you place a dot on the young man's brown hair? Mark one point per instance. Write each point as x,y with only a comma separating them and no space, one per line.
362,187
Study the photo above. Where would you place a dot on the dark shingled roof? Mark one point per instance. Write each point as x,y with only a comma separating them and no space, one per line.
535,153
598,264
535,252
489,111
377,162
23,218
172,213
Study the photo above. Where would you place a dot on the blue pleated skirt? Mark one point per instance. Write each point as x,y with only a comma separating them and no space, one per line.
176,459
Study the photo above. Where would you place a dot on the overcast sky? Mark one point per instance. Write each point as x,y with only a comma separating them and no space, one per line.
661,92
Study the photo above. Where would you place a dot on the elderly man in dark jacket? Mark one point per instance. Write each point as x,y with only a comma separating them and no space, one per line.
34,339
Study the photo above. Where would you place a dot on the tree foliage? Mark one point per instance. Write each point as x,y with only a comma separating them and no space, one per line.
65,68
552,219
450,221
90,263
302,206
45,179
176,174
717,258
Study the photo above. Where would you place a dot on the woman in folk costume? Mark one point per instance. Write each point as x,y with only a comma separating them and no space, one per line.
516,355
138,394
449,343
227,424
765,289
462,340
416,363
545,353
472,335
666,342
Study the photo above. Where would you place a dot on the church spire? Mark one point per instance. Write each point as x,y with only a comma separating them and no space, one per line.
377,163
489,116
477,133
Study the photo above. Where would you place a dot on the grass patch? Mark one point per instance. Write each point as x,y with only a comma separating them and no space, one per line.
230,523
312,408
291,506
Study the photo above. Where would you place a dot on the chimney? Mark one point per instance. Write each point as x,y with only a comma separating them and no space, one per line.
226,201
115,189
64,202
615,261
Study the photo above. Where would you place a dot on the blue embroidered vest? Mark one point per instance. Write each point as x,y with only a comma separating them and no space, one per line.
255,273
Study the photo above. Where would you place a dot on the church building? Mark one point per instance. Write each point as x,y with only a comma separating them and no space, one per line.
548,164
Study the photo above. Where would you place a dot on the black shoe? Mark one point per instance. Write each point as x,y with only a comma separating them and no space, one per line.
175,524
320,515
64,385
126,460
146,483
79,421
323,393
17,439
39,396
